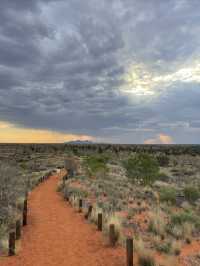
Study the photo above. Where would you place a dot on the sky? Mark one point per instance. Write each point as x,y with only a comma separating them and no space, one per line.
120,71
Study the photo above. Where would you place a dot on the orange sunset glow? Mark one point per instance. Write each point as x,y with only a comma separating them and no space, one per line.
10,133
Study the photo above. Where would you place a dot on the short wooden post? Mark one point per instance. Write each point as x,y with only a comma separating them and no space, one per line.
26,194
25,212
63,183
66,195
88,212
11,248
100,222
18,229
80,205
112,235
129,251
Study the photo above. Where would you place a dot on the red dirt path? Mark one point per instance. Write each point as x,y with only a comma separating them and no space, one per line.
57,235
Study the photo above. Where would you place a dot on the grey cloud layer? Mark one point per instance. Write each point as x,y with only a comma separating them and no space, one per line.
62,64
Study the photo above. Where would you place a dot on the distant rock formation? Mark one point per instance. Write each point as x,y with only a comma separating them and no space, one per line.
79,142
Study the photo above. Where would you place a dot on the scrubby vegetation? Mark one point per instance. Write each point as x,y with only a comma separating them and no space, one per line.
20,170
142,168
149,192
145,196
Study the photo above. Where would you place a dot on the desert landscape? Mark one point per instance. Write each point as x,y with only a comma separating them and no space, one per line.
100,133
151,194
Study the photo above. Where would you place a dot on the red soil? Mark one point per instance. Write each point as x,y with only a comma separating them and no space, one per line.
57,235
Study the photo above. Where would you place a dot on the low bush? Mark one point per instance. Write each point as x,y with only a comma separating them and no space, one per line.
168,194
164,247
142,168
96,164
182,217
163,160
146,259
157,223
191,193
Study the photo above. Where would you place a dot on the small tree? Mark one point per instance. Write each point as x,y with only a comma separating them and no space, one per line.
142,168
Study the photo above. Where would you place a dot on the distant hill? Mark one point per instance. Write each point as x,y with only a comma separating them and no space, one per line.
79,142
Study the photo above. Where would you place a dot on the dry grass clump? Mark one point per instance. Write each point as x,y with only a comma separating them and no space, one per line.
145,256
114,219
94,215
157,223
188,229
184,231
146,259
176,247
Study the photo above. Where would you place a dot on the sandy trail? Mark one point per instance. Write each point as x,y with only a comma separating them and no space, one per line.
57,235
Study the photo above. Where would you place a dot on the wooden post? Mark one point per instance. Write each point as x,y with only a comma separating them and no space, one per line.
25,213
11,248
80,205
112,234
63,184
88,212
99,222
129,251
18,229
66,196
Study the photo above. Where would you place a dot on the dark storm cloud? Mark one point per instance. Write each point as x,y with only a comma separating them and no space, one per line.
62,64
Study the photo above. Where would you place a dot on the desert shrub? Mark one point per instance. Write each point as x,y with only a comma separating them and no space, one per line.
168,194
185,217
113,219
145,256
191,193
73,191
163,177
157,224
12,187
176,231
143,168
94,215
163,160
188,229
96,164
176,247
182,231
164,247
146,259
182,218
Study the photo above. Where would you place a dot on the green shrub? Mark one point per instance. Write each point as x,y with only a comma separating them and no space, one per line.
168,194
164,247
143,168
97,163
191,193
185,217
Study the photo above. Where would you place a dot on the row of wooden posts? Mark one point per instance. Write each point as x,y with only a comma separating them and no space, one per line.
112,235
16,234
